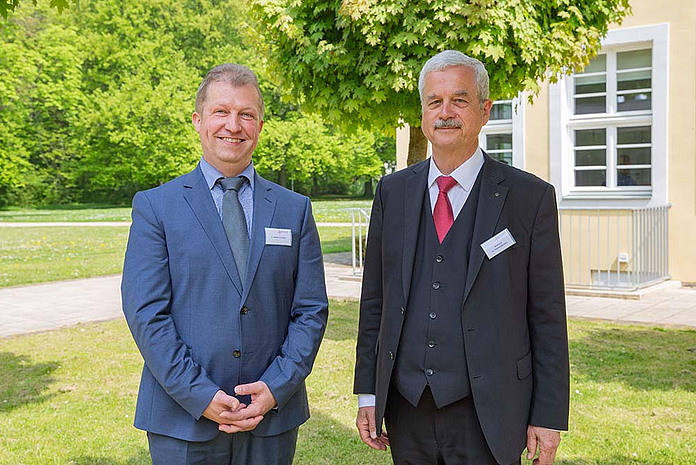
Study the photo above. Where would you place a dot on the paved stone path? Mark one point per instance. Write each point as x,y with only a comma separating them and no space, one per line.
40,307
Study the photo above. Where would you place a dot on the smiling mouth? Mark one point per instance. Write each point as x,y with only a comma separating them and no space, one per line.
231,139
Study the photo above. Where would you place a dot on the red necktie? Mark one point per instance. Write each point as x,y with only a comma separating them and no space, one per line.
442,214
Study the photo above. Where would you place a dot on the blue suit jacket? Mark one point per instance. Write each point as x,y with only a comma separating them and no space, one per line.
183,301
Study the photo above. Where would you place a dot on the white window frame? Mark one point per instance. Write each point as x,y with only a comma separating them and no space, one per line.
514,126
562,123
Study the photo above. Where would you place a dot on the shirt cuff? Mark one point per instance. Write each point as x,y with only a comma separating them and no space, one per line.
366,400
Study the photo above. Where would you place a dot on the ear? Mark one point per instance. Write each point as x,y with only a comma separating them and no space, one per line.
260,126
486,109
196,120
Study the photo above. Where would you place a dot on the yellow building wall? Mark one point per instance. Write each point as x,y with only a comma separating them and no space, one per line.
681,16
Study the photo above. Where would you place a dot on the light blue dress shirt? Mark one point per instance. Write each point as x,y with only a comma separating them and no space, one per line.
245,194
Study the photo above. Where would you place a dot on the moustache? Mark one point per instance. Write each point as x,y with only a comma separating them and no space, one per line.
447,123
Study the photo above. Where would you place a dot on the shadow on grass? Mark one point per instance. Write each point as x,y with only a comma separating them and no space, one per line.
323,440
72,206
23,382
142,457
645,359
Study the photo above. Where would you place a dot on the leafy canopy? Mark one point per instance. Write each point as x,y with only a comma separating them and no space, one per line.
357,61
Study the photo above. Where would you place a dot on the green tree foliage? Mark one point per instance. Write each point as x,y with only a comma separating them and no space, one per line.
357,61
6,6
96,101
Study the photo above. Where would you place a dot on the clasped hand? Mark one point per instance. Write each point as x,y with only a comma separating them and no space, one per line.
232,416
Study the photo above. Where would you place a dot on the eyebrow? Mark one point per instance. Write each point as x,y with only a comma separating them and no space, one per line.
458,92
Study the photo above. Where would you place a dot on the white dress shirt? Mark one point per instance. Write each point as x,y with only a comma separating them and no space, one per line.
465,175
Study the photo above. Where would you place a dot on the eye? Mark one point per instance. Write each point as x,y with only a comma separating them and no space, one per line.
247,115
434,103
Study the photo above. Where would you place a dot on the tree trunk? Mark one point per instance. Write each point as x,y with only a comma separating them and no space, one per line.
367,192
417,145
283,176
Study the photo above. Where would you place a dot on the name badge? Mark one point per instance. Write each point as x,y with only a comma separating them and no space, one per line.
498,243
278,237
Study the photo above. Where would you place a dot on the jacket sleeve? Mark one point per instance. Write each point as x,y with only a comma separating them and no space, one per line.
146,296
309,314
546,314
370,303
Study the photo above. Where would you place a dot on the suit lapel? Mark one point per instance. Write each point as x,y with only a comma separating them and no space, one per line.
490,204
197,195
413,204
264,208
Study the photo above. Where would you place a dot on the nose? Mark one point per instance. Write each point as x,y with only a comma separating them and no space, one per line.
446,110
232,122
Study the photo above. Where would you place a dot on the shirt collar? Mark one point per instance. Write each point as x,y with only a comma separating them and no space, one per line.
465,174
211,174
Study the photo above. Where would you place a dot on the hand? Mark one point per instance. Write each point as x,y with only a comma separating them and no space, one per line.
368,429
547,440
248,417
221,403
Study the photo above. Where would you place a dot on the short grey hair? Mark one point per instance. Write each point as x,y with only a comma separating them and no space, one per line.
449,58
235,75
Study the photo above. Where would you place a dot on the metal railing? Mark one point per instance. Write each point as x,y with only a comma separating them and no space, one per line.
619,249
360,221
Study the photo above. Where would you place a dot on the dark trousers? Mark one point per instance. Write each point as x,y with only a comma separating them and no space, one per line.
426,435
224,449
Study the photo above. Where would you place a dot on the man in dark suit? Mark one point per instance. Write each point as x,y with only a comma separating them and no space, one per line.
462,345
223,290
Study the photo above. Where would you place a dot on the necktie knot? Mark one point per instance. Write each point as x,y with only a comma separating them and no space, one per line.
445,183
235,183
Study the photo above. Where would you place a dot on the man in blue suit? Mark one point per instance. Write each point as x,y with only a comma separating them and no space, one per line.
223,290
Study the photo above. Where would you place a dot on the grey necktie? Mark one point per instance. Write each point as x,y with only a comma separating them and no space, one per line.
234,222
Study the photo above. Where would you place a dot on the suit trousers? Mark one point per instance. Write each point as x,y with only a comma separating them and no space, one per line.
225,449
426,435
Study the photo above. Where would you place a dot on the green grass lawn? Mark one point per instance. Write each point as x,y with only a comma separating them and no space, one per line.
68,396
41,254
324,211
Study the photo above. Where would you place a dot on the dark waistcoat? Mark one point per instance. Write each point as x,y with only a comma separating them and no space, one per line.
431,349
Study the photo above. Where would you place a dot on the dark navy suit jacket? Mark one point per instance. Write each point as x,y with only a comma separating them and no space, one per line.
189,313
513,315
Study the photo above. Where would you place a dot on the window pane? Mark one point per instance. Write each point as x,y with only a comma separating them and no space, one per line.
634,135
587,137
587,105
591,157
634,59
597,64
501,111
630,102
499,141
634,177
634,156
505,157
590,84
590,178
634,80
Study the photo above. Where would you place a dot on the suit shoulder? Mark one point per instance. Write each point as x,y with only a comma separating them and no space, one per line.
282,192
518,176
401,175
169,187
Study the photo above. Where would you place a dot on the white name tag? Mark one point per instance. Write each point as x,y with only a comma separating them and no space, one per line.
278,237
498,243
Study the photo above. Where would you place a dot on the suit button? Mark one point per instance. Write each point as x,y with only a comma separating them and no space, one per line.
431,344
391,355
432,315
439,258
244,310
436,285
429,372
237,354
402,310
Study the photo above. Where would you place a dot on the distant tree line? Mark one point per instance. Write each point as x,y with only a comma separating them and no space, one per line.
95,104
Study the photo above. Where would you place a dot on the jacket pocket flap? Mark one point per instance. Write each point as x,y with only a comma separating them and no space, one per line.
524,366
